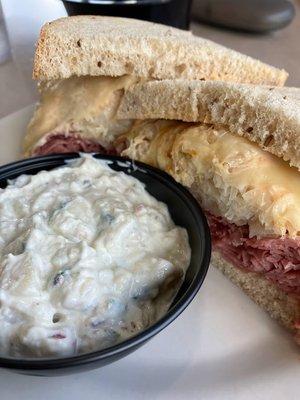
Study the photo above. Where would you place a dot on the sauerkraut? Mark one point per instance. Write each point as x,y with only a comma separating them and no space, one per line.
231,176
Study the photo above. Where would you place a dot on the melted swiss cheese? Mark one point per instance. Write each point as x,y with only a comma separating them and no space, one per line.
68,101
234,177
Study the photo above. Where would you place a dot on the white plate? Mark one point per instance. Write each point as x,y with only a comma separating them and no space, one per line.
222,347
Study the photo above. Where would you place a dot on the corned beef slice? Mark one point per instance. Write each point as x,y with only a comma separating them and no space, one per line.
59,143
278,259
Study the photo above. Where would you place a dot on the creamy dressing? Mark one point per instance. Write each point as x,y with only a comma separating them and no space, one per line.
87,259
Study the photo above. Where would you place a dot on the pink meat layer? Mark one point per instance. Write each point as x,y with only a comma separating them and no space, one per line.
278,259
59,143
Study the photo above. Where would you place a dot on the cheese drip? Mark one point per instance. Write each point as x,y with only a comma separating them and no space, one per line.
83,105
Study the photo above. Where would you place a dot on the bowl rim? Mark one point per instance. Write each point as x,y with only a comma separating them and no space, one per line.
35,364
116,3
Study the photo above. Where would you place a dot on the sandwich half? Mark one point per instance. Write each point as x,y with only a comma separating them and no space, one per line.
236,147
84,64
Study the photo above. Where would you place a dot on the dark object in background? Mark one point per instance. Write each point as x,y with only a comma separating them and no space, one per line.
169,12
259,16
185,212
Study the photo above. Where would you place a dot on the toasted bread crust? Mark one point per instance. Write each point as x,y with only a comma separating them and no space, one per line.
282,307
265,115
95,45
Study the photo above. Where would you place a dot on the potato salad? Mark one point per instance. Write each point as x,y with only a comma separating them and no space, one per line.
88,258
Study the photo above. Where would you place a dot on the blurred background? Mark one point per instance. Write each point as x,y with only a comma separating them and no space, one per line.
264,29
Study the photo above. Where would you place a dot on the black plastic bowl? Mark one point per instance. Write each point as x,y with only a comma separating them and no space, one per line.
169,12
185,212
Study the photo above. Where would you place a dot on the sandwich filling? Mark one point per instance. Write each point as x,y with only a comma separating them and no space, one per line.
251,198
231,176
60,143
77,114
278,259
